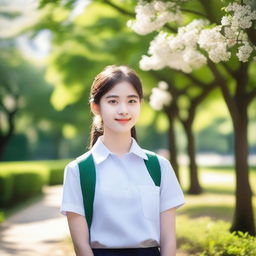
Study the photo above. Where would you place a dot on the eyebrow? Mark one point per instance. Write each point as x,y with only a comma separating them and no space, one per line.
116,96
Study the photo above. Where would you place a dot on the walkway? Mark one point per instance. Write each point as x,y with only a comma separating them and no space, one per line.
35,230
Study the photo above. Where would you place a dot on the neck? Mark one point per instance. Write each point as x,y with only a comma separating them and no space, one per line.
117,143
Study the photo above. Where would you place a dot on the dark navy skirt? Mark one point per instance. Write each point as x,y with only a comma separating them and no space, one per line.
150,251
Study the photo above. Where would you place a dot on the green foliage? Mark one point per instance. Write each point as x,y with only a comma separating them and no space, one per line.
18,184
56,177
6,185
56,171
224,243
203,237
22,180
26,185
2,216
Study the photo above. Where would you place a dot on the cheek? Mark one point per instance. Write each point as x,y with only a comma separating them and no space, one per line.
138,108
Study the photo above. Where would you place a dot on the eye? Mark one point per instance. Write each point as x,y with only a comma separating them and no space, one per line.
132,101
112,101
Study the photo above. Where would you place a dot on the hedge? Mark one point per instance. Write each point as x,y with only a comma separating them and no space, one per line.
22,180
18,184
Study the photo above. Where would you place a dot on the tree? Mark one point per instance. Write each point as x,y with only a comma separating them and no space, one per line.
228,51
11,100
194,92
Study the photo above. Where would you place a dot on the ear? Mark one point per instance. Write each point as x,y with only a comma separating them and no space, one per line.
95,108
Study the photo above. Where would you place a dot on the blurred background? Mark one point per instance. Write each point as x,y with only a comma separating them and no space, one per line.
49,58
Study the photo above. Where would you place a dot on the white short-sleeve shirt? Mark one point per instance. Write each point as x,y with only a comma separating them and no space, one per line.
127,204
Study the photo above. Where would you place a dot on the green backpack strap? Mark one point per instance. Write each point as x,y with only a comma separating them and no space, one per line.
153,167
87,182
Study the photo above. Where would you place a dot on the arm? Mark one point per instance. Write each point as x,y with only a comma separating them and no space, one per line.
79,233
168,232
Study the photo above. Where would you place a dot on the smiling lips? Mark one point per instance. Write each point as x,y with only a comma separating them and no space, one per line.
123,120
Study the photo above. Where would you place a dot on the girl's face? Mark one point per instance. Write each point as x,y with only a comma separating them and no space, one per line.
119,108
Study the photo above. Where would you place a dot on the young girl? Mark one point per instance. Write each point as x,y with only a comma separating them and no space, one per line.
118,209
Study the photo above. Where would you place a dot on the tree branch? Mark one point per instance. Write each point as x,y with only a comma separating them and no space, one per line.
251,95
194,12
252,34
160,77
3,107
207,7
224,88
194,102
228,69
174,30
118,8
195,80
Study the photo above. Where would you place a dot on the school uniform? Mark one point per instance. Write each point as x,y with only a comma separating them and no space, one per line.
127,204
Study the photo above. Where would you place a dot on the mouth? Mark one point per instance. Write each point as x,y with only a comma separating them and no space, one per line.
123,120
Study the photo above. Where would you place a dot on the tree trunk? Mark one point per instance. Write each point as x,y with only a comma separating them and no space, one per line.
194,186
173,148
5,138
3,145
243,216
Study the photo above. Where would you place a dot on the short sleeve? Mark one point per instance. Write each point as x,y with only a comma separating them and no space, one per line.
171,195
72,199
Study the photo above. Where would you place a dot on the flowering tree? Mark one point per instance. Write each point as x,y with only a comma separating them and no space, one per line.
191,35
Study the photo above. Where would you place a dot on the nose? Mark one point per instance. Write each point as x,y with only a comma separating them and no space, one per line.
122,110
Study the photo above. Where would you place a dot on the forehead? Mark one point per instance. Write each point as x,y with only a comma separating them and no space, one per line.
122,89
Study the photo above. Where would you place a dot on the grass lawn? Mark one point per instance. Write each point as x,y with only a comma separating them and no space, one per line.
218,199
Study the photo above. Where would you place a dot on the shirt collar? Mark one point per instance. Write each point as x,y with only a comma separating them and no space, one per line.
100,152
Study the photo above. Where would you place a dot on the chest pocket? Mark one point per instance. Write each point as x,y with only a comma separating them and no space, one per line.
150,201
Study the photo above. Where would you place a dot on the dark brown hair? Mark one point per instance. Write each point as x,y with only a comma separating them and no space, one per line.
104,82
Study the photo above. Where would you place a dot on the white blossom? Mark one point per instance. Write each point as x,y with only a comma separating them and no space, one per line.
178,52
194,58
163,85
160,97
152,16
215,44
189,48
244,52
226,21
243,15
240,18
231,36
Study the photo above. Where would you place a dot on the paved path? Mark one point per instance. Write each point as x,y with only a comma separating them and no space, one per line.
36,229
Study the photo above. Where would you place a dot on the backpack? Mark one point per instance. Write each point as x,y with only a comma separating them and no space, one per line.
88,180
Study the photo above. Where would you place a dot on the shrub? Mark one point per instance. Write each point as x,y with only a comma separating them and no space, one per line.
6,186
224,243
2,217
20,181
55,169
203,237
56,176
26,185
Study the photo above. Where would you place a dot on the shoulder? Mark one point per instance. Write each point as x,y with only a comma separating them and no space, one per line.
163,162
72,166
161,159
83,156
